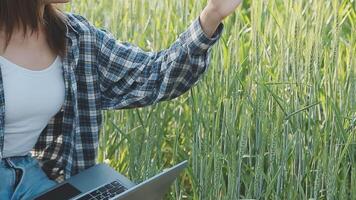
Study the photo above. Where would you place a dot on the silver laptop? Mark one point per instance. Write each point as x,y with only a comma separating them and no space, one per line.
103,182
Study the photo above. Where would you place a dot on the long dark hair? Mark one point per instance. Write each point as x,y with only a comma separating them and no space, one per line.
27,14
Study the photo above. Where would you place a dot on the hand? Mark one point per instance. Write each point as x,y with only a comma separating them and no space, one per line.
215,12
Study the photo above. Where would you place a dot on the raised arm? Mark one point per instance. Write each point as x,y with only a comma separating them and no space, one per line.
130,77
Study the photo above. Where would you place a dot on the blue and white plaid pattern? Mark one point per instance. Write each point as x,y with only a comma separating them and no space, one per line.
101,73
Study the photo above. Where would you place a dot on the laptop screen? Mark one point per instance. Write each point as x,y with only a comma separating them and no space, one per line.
63,192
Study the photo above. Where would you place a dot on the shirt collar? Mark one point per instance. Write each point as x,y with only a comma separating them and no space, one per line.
69,26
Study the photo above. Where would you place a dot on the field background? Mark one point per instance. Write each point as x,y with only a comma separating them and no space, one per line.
274,117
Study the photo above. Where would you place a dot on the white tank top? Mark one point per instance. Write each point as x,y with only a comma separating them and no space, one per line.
32,98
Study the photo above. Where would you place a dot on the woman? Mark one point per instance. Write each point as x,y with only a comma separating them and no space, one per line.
58,72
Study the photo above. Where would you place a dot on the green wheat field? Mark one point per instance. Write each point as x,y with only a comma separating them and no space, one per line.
274,117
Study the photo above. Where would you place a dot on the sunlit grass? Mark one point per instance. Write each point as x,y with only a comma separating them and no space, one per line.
273,118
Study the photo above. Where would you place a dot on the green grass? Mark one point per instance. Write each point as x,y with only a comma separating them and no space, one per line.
274,117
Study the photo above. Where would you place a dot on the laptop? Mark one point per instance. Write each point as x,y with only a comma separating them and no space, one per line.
103,182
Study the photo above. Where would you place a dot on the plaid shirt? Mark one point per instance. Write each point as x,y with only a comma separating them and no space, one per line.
101,73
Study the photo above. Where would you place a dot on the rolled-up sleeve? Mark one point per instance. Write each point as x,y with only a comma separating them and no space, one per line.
131,77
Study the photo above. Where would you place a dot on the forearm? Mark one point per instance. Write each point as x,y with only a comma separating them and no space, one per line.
215,12
209,20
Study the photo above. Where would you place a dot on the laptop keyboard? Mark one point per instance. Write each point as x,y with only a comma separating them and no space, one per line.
105,192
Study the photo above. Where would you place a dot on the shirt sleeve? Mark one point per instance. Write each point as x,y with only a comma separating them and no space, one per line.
131,77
